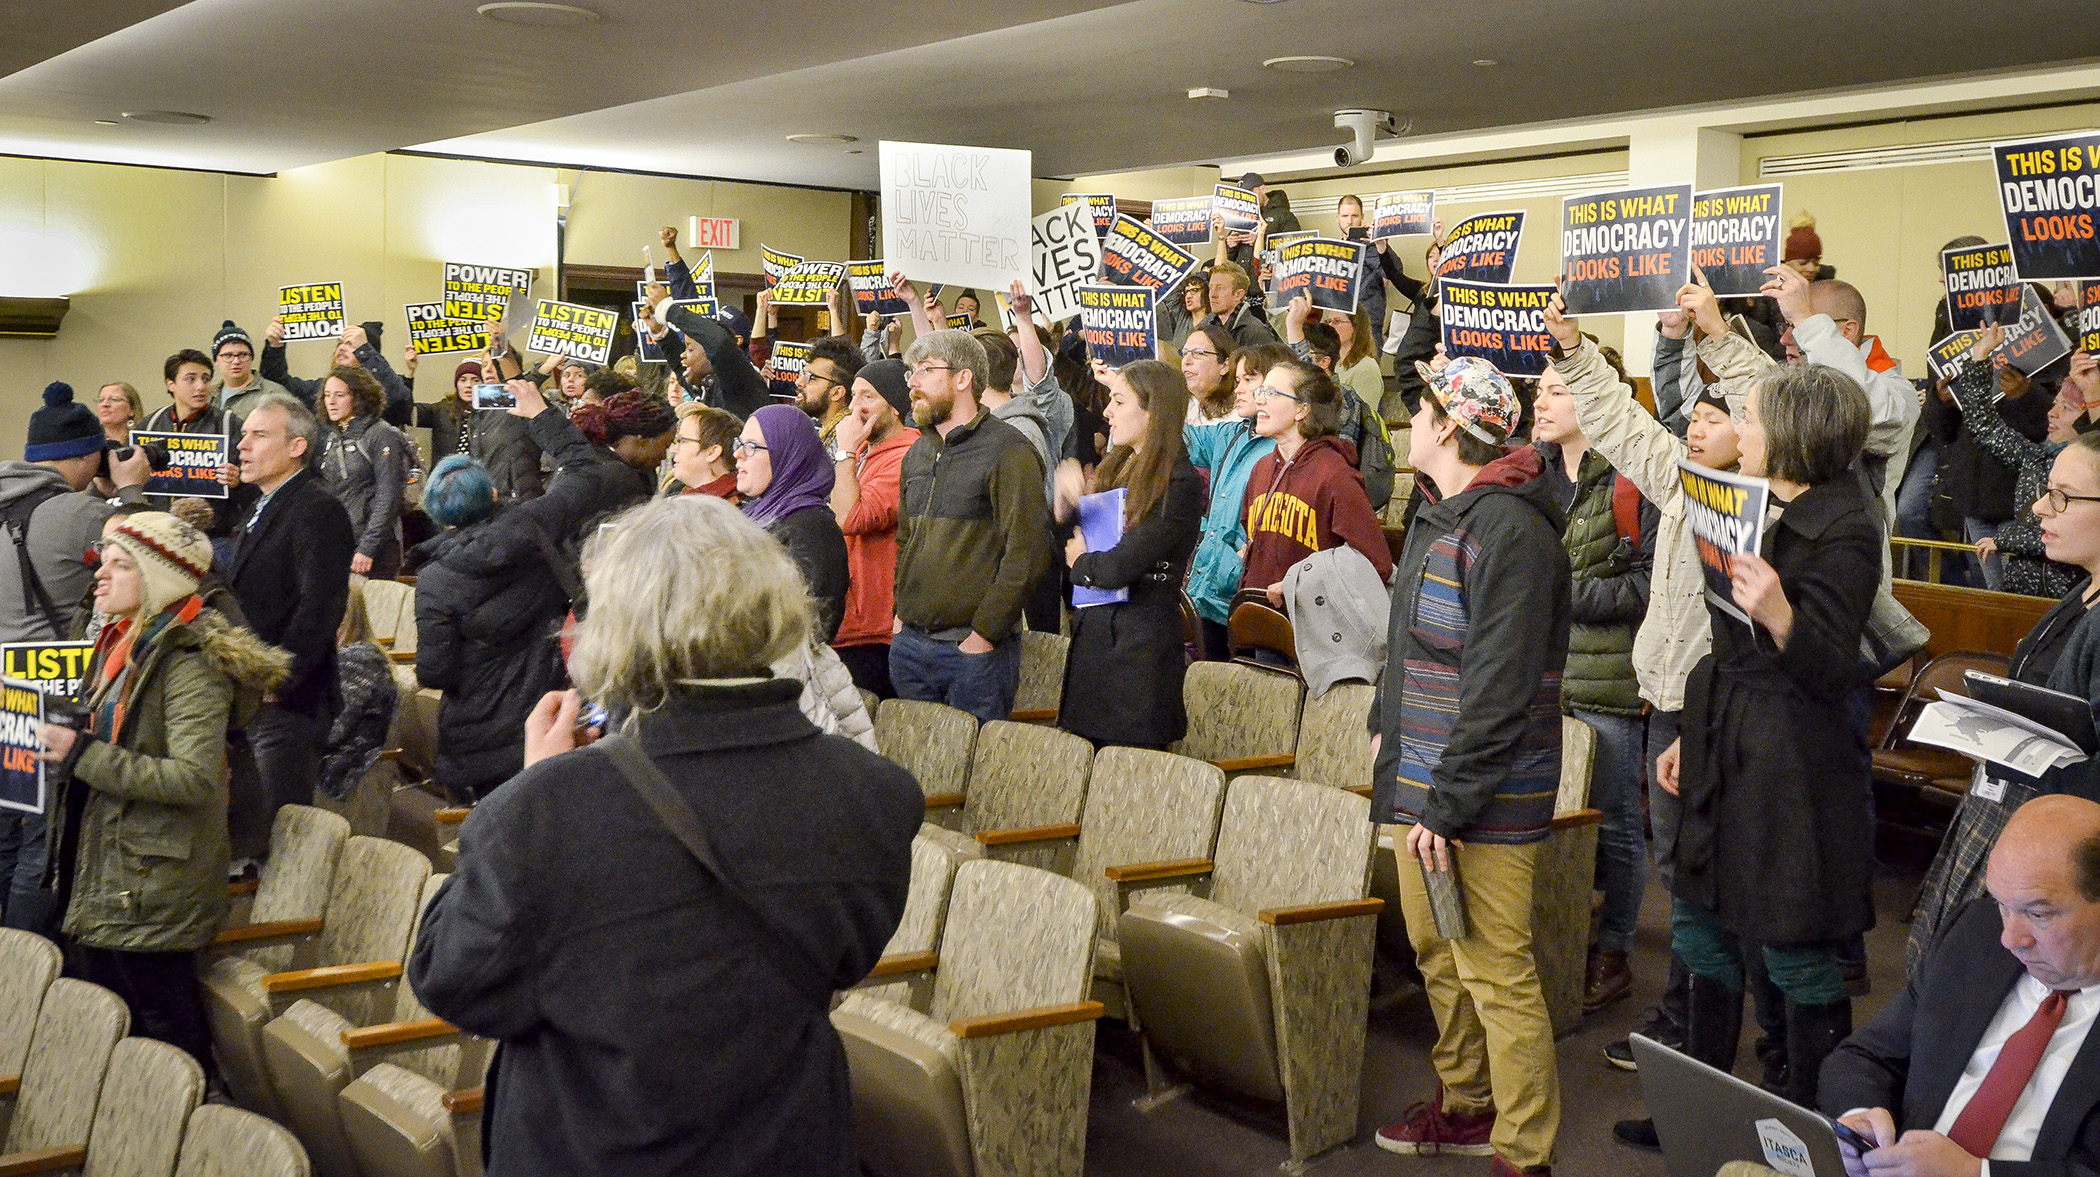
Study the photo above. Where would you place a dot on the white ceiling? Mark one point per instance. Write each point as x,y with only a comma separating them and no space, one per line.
1089,85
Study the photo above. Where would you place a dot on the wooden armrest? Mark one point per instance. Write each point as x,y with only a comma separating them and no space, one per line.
1039,1018
385,643
463,1103
47,1160
943,800
391,753
904,963
1174,868
1032,834
1307,913
403,656
242,887
391,1033
269,930
9,1084
329,975
1246,763
450,815
1359,790
1034,714
1577,817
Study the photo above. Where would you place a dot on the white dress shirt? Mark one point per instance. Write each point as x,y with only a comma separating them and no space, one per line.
2016,1140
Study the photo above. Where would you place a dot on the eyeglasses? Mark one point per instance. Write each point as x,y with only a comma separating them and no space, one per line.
744,449
923,370
1265,393
1198,351
2060,501
809,377
684,440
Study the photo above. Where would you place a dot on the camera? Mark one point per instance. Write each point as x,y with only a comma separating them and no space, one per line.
1366,126
156,456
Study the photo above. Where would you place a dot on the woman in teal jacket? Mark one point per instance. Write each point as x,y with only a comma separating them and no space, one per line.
1225,451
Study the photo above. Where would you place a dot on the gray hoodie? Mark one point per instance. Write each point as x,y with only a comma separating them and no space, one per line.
1037,413
61,532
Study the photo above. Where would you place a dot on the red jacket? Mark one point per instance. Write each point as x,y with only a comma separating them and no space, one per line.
1314,502
871,543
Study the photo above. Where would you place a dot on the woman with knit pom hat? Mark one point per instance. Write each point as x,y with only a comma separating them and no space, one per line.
139,834
1804,249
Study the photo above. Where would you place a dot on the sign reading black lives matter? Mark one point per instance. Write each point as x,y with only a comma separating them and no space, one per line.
2049,190
1981,286
193,463
482,293
1183,220
1625,251
1239,208
1504,325
807,283
432,332
1099,205
578,332
957,215
1727,514
1327,271
2036,341
1482,248
1133,255
1118,324
21,773
1736,237
1402,214
55,668
1064,255
872,294
313,311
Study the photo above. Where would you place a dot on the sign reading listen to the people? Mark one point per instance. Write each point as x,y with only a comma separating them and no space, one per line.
1736,237
2049,190
1133,255
482,293
1625,251
1064,256
1504,325
21,773
957,215
1727,515
1981,286
55,668
808,283
193,463
432,332
313,311
1118,325
567,329
1402,214
1482,248
1183,220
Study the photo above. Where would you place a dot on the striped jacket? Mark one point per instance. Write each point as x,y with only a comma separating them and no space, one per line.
1469,706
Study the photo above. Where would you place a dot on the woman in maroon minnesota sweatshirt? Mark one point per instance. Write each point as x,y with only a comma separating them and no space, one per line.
1307,496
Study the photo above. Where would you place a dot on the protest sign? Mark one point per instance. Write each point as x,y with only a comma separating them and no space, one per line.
1947,355
958,322
55,668
1402,214
1736,236
313,311
1118,325
1504,325
1981,286
2089,317
1327,271
789,357
578,332
808,283
2035,341
1240,208
646,349
432,332
1133,255
1727,514
956,214
2049,190
776,264
703,273
1482,248
1268,271
1183,220
21,773
193,463
1064,255
871,289
481,294
1625,251
1099,205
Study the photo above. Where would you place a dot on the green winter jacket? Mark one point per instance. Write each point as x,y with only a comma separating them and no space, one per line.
1608,587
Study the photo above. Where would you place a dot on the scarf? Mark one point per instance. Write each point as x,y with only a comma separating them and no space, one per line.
119,649
802,472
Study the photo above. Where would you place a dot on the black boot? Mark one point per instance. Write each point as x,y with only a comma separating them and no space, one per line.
1770,1007
1812,1032
1713,1027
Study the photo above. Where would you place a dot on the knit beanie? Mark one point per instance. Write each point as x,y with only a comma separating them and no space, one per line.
465,367
373,328
887,377
172,557
228,333
62,429
1802,244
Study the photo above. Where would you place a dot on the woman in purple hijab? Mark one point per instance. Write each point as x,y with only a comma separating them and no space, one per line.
786,478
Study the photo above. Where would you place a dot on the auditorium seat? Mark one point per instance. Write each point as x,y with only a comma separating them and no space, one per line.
1027,786
932,741
228,1142
1042,688
1241,718
1260,634
1334,744
371,797
349,960
28,964
305,844
405,1124
382,602
994,1078
1911,811
919,930
419,818
147,1094
1262,985
77,1028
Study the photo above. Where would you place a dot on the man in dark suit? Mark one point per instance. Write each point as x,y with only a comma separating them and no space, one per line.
1987,1056
290,572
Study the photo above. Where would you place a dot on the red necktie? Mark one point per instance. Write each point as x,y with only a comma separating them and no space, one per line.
1976,1129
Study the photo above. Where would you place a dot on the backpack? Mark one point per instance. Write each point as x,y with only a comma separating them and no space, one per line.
1374,454
34,596
1626,510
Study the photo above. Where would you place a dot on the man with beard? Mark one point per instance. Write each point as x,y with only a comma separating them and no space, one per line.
824,389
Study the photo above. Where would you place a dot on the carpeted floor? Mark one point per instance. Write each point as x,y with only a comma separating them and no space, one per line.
1207,1134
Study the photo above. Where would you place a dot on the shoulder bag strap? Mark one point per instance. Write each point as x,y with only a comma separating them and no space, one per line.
34,595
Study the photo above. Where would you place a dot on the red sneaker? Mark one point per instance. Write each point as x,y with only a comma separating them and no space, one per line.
1501,1168
1429,1130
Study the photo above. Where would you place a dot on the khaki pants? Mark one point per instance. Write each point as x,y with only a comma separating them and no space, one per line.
1494,1047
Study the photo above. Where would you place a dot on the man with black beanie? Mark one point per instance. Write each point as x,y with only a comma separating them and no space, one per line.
238,385
870,442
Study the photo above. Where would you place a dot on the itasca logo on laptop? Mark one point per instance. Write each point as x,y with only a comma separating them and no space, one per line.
1784,1151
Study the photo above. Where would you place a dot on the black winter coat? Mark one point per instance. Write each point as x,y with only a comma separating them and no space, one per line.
649,1025
1775,837
489,611
499,441
1977,485
813,538
291,574
1123,674
590,482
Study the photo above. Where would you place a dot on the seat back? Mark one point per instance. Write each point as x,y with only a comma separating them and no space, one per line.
932,741
76,1029
1042,689
1333,746
1943,674
1236,711
405,628
1017,938
28,964
439,1063
305,844
1578,757
228,1142
926,903
1256,625
1283,843
381,601
147,1097
371,910
1144,806
1023,775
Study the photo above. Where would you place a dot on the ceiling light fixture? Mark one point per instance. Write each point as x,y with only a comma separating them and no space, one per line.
535,14
1210,92
105,122
1307,64
1485,62
169,118
823,140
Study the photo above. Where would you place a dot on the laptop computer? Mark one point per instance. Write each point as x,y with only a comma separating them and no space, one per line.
1706,1118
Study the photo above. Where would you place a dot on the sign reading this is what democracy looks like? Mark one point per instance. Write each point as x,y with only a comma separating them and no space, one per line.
1625,251
2035,341
2049,190
313,311
193,463
956,215
872,293
1099,205
1118,324
1402,214
1981,286
1183,220
1504,325
2089,317
1736,237
1328,272
1482,248
21,773
482,293
1239,209
567,329
1727,514
1133,255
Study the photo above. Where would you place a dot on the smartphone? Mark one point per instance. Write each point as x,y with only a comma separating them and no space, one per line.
494,396
1847,1136
1360,233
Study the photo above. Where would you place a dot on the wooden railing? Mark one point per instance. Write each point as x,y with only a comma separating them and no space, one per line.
1905,554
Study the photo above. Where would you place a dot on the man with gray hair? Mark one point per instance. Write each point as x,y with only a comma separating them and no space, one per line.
973,536
290,571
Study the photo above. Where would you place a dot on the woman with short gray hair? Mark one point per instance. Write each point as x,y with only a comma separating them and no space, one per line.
653,926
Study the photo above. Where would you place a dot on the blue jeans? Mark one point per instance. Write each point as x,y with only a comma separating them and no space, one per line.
1993,566
1914,497
935,671
23,854
1622,852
